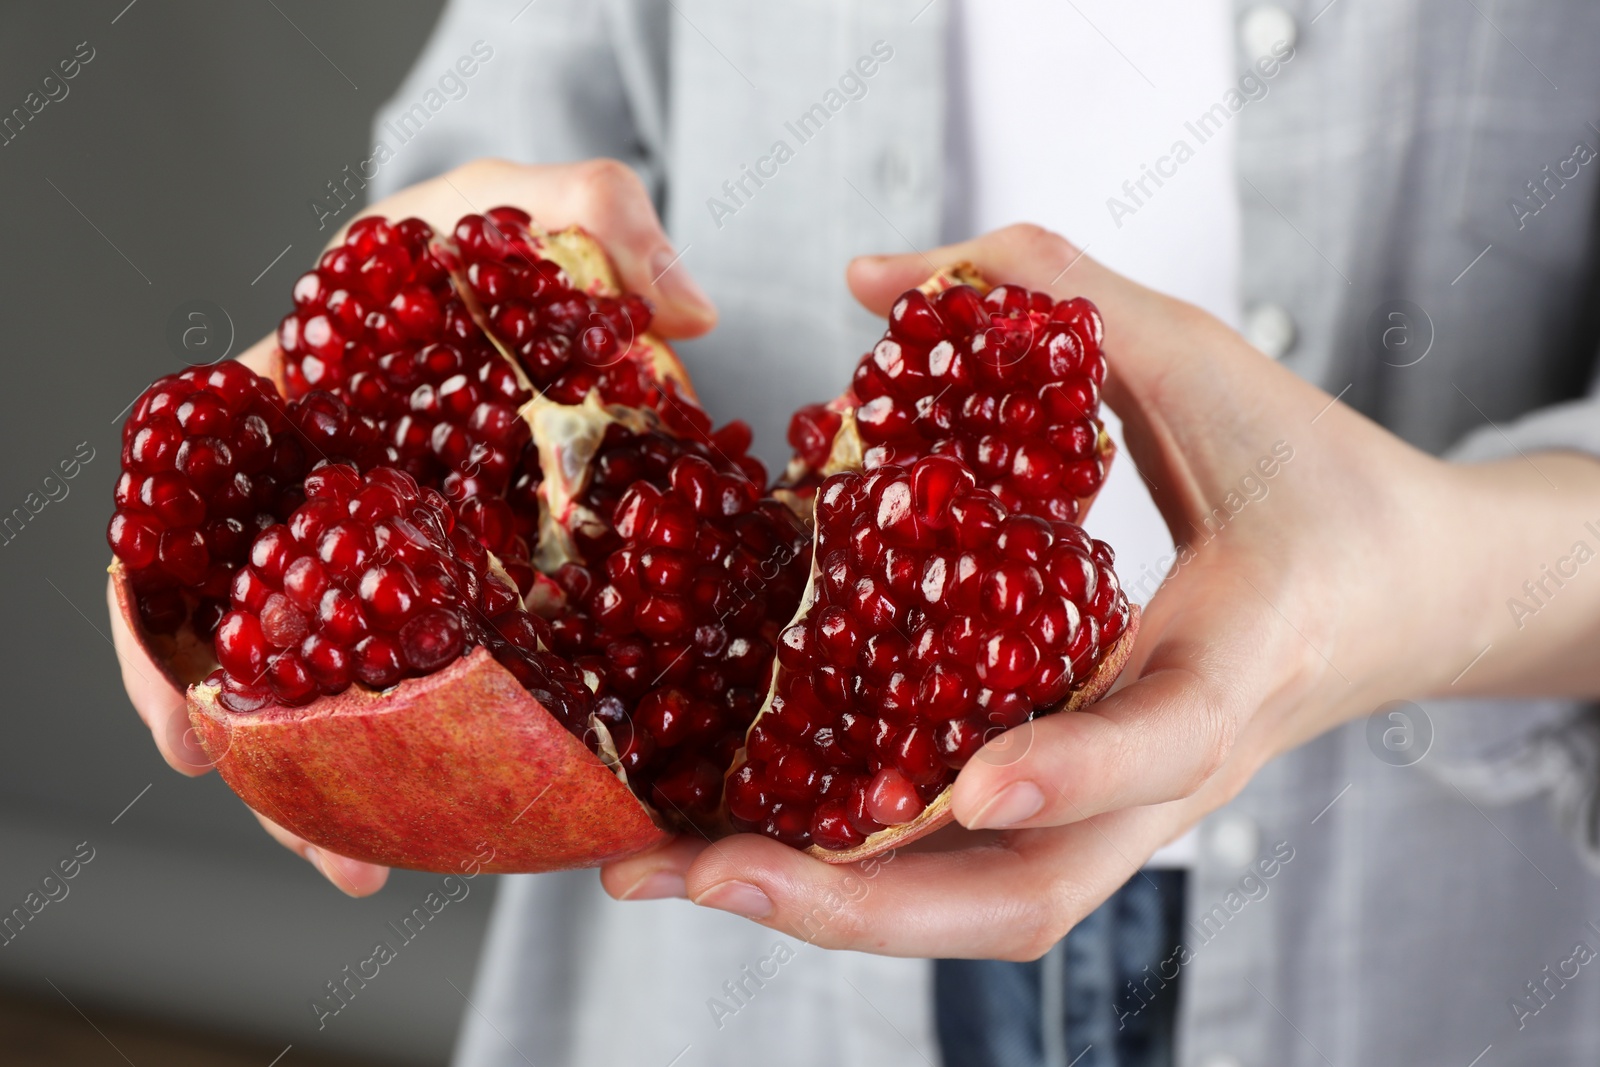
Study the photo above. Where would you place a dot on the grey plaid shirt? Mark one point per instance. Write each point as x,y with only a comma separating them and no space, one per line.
1421,180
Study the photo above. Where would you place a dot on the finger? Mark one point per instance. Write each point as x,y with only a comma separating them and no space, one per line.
258,357
1155,740
1010,900
351,877
656,874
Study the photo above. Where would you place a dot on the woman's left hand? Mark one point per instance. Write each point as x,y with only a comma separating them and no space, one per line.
1370,571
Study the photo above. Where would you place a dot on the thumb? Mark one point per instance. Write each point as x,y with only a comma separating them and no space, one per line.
1022,254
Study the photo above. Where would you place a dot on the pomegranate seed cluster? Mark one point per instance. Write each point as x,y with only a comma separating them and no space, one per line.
371,581
1009,383
381,291
693,572
209,458
939,618
380,325
567,341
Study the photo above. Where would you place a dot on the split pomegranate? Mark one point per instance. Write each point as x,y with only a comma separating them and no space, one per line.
939,620
485,571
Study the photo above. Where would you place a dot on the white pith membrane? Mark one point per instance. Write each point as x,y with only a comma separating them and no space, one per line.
568,437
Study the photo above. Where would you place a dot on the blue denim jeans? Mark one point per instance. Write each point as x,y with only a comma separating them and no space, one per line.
1073,1005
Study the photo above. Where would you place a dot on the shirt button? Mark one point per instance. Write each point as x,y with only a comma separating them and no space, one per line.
1262,27
1219,1059
1234,840
1269,328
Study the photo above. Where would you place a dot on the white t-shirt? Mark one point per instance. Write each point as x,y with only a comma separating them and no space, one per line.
1035,84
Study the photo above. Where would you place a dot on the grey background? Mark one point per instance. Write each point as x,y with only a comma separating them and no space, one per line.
191,143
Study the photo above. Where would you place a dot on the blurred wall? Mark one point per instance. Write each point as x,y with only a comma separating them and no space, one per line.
175,168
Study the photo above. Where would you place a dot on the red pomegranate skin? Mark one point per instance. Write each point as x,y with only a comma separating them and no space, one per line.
467,756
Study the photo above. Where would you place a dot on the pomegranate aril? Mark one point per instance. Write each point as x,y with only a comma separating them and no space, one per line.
690,786
831,827
789,823
892,799
379,662
241,646
163,611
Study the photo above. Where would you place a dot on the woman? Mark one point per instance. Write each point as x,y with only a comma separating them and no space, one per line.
1399,201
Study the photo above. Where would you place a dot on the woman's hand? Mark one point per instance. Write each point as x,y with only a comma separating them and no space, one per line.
1324,568
602,195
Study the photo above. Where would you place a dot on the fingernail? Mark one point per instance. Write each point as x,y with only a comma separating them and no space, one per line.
658,885
675,281
741,898
1015,803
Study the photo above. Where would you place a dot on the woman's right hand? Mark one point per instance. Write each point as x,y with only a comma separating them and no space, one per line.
602,195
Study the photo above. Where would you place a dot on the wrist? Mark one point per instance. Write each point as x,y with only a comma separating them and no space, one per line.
1513,605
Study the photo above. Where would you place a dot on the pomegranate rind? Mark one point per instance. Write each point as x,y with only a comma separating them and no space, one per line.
426,774
937,814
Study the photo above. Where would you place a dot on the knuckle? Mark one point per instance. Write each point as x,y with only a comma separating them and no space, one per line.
1216,727
1035,240
1036,935
829,923
1043,916
482,167
607,183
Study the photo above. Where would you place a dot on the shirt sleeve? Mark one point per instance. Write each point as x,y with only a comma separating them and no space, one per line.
1501,752
550,81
